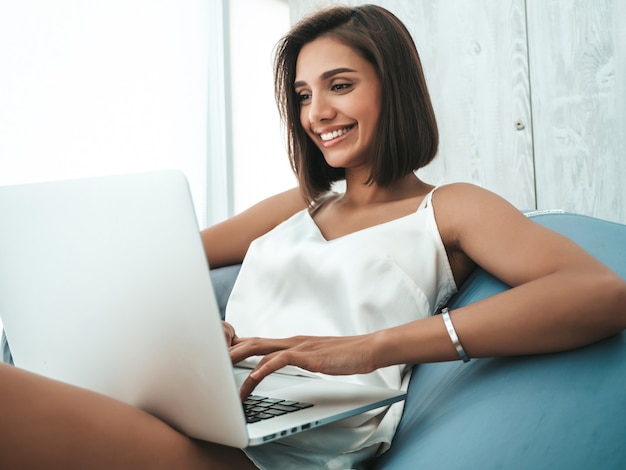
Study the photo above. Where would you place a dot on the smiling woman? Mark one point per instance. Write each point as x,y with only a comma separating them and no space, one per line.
351,284
356,109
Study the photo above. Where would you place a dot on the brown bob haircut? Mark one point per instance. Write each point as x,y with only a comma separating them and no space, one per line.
407,129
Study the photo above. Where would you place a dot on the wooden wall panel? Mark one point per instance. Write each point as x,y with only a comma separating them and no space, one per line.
475,60
578,82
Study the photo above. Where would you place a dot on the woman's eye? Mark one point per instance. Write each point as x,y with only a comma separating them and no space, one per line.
304,97
340,86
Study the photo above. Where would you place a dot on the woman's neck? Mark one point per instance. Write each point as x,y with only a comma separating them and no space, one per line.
358,193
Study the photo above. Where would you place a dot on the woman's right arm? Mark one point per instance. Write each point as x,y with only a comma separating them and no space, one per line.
226,243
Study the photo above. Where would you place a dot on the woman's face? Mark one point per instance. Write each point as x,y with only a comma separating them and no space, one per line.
340,101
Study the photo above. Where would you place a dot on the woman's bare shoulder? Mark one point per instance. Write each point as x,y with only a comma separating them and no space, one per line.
460,204
480,226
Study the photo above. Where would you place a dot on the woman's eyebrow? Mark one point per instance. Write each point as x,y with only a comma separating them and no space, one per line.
326,75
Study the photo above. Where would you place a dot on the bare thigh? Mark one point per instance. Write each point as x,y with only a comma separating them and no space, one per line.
49,424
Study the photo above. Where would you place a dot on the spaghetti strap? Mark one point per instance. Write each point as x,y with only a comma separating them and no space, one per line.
426,201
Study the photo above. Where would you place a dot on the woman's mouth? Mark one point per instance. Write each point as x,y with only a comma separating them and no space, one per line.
328,136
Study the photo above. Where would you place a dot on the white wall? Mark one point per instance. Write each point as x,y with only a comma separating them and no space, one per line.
260,164
100,87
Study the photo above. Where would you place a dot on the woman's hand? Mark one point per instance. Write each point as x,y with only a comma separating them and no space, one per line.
329,355
229,333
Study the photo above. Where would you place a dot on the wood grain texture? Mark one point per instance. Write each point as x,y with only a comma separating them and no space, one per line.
578,80
475,60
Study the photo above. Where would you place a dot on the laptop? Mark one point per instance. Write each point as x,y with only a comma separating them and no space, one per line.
104,284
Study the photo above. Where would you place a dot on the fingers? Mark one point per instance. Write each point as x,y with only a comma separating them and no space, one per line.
267,366
243,348
229,333
277,353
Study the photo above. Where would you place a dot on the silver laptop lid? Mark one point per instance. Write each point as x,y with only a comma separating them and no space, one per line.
104,284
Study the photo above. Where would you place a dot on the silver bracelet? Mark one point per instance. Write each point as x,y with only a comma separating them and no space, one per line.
445,314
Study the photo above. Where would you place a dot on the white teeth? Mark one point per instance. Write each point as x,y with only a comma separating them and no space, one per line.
334,134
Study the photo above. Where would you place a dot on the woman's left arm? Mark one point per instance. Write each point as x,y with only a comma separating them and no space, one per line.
561,297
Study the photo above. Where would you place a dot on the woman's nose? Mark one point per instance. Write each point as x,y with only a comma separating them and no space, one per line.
320,109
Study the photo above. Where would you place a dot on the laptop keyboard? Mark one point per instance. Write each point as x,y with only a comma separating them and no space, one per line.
258,408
